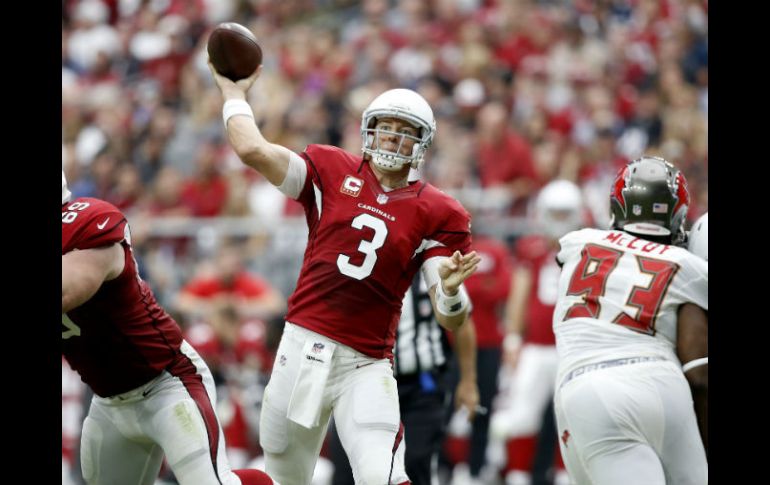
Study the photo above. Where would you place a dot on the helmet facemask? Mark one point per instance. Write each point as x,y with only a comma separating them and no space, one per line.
405,105
392,160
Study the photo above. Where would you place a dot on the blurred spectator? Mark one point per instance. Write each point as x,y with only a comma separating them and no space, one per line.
205,194
488,289
504,157
598,169
91,35
128,188
236,350
414,60
154,126
469,96
226,279
645,129
529,364
524,92
165,195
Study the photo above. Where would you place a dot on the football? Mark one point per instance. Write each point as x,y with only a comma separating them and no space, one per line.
234,51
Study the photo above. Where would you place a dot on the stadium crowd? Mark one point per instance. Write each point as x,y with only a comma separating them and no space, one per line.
524,92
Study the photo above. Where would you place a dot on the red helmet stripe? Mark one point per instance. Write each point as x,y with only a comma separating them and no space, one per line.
618,186
682,193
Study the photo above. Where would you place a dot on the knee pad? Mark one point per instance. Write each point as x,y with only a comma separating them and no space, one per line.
377,461
372,426
183,425
273,420
377,473
273,429
375,404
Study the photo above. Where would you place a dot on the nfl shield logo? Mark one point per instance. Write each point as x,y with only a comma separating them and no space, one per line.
317,347
637,210
382,198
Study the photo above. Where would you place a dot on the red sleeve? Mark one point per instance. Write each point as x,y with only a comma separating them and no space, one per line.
454,230
525,166
109,235
251,286
504,271
451,242
91,223
203,287
499,276
307,194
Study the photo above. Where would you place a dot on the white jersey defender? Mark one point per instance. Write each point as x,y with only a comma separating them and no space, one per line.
624,408
620,296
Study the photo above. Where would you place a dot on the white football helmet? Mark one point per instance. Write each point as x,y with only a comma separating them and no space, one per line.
403,104
66,195
559,209
699,237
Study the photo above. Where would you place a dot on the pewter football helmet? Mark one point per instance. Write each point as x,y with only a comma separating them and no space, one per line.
650,198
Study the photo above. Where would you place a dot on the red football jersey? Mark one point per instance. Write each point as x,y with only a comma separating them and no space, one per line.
535,253
120,338
364,247
244,285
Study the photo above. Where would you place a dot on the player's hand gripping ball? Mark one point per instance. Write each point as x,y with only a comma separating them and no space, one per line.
234,51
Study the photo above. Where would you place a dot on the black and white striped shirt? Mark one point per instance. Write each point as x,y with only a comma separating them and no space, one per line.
421,343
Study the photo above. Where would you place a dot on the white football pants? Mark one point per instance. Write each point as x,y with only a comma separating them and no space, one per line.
125,437
632,424
361,392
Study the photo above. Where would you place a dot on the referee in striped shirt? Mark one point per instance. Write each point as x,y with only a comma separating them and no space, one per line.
421,357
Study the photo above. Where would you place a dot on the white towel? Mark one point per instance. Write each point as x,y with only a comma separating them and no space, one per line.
307,395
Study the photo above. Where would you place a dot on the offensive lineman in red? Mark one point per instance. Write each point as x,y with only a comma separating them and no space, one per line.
154,395
370,231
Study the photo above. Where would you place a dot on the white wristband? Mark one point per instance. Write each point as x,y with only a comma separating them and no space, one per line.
695,363
451,305
234,107
512,341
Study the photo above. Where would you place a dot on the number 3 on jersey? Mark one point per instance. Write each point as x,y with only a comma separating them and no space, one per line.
369,248
590,281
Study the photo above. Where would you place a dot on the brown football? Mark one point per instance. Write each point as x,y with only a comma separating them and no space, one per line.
234,51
